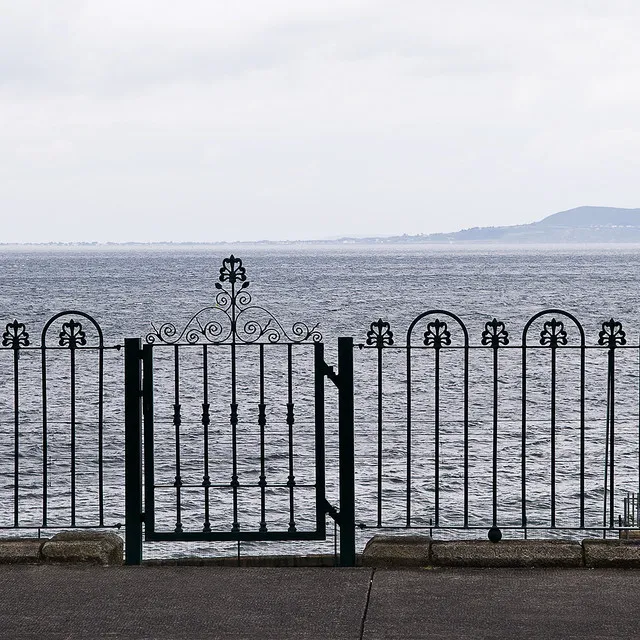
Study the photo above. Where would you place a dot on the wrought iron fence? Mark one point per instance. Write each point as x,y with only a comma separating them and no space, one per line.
58,437
540,435
222,425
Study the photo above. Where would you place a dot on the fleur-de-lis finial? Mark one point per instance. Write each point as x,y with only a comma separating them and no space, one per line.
495,334
612,334
437,335
553,333
232,270
72,335
380,334
15,336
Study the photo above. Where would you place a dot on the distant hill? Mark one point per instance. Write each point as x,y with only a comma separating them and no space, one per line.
585,217
580,225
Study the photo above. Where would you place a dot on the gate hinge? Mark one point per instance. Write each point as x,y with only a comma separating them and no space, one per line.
330,373
331,510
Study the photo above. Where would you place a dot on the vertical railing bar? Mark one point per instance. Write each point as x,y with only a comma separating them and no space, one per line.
262,420
73,433
523,456
149,457
495,435
16,436
44,435
408,524
206,420
553,435
466,433
291,482
101,433
582,431
612,434
380,434
319,376
235,527
606,455
437,437
177,420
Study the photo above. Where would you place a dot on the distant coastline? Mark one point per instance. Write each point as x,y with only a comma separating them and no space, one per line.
582,225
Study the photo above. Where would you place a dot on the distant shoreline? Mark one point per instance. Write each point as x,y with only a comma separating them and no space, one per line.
585,225
317,245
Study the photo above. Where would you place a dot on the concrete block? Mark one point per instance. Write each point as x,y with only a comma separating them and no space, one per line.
507,553
612,553
20,550
396,551
85,547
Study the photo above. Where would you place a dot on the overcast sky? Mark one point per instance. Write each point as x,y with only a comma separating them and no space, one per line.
155,120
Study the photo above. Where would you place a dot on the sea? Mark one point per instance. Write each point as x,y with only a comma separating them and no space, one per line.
339,290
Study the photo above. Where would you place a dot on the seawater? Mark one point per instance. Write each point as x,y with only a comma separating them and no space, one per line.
344,288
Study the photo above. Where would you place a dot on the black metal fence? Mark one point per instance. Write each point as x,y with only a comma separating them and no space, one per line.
228,432
537,436
60,438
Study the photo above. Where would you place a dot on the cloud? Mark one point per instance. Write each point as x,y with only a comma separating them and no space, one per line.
360,116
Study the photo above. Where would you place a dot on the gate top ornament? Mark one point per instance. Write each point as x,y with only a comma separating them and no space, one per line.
240,321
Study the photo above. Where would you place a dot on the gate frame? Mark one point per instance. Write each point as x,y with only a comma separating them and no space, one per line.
139,405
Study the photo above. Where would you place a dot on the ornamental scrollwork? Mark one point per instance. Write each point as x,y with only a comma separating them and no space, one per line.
15,336
72,335
553,334
495,334
612,335
238,320
437,334
380,334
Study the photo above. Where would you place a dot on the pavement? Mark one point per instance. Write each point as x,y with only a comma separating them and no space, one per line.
173,602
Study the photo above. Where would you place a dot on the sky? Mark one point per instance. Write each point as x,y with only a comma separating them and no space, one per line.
154,120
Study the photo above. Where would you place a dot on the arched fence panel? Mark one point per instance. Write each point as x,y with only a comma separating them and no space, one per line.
539,436
61,439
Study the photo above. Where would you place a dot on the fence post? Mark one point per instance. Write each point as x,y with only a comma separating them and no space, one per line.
133,450
346,453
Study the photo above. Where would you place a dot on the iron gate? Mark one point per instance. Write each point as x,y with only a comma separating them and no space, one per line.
226,426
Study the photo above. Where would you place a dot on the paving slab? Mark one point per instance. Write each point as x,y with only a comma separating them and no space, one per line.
58,601
503,603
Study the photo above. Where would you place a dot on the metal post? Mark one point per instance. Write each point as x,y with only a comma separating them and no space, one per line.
133,450
319,376
346,453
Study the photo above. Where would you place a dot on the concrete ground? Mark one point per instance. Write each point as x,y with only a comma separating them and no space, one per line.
44,601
